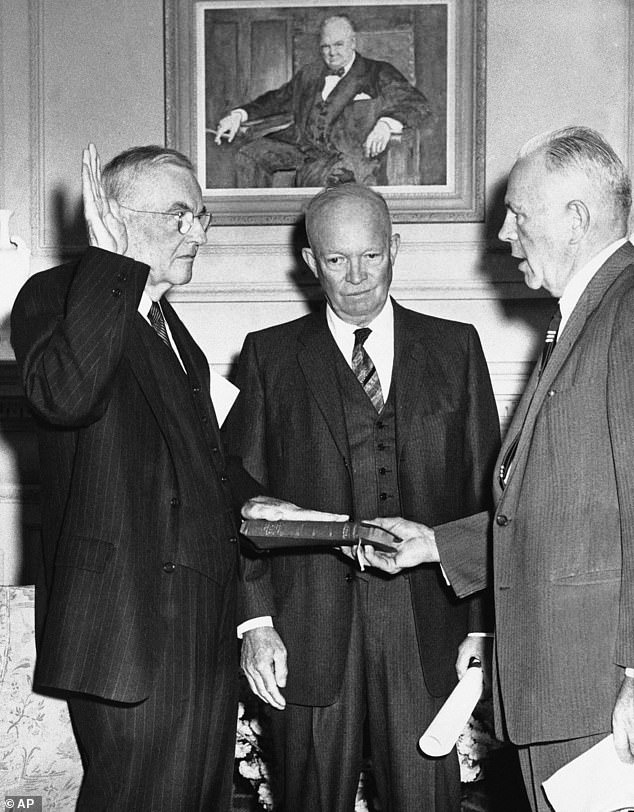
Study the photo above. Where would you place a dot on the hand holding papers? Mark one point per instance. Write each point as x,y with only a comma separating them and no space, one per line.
450,721
596,781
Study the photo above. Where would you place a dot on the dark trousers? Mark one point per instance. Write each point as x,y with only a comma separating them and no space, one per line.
319,751
174,750
258,160
540,761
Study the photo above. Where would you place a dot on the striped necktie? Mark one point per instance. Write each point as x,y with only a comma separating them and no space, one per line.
155,315
365,370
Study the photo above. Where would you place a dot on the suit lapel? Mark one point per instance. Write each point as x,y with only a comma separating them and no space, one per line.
410,372
141,354
349,86
193,359
317,358
537,389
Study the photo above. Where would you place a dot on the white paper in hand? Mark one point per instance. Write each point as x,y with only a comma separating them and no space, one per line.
450,721
595,781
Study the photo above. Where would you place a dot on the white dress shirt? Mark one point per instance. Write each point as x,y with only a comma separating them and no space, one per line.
144,309
379,344
580,281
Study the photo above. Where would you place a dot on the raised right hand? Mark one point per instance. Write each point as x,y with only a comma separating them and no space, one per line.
263,660
105,227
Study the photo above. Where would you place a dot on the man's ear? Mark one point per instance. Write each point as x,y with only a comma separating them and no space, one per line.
309,259
580,220
395,243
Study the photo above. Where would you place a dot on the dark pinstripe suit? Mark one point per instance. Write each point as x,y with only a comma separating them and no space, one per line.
136,603
288,425
563,535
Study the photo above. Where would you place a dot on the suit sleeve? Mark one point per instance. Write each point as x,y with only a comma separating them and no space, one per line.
464,544
399,99
273,102
68,340
244,434
484,441
620,406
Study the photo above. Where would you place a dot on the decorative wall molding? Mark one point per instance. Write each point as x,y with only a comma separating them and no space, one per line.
405,291
36,107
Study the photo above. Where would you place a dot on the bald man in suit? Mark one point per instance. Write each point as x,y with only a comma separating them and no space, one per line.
326,645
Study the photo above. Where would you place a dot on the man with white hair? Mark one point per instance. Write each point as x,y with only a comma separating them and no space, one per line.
563,526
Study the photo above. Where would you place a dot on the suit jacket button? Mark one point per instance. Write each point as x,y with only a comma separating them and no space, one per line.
116,292
175,502
550,393
349,578
502,520
233,540
169,566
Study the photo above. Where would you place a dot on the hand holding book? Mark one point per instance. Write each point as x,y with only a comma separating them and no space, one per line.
271,535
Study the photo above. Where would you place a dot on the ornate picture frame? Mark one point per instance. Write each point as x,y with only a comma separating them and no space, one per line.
220,54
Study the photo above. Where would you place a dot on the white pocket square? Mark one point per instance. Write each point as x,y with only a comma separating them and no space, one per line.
361,97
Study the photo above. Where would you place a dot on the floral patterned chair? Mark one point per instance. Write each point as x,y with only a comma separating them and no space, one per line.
38,753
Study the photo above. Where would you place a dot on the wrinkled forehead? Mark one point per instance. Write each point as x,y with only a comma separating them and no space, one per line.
346,220
165,185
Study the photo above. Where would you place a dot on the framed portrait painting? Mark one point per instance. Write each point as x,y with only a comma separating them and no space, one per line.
273,101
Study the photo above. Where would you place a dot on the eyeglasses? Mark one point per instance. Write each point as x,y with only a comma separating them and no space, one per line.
185,218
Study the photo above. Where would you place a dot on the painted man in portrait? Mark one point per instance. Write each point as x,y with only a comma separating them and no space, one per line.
344,110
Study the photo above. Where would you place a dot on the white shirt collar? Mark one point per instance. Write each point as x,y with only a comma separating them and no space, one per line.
580,281
379,345
144,305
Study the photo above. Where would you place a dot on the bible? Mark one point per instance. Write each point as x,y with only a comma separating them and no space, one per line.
267,535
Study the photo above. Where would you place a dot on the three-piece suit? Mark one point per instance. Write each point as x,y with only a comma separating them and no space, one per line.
327,136
358,641
136,599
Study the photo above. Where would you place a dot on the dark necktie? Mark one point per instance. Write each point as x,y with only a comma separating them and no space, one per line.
157,321
338,72
549,346
364,369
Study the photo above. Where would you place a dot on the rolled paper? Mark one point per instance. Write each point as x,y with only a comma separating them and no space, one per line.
450,721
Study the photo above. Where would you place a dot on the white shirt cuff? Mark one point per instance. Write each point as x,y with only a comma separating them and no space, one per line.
394,125
629,672
254,623
480,634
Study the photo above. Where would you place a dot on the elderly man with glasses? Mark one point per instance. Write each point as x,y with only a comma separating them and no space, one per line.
136,598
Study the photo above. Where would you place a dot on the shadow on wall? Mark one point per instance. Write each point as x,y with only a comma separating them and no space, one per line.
19,463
